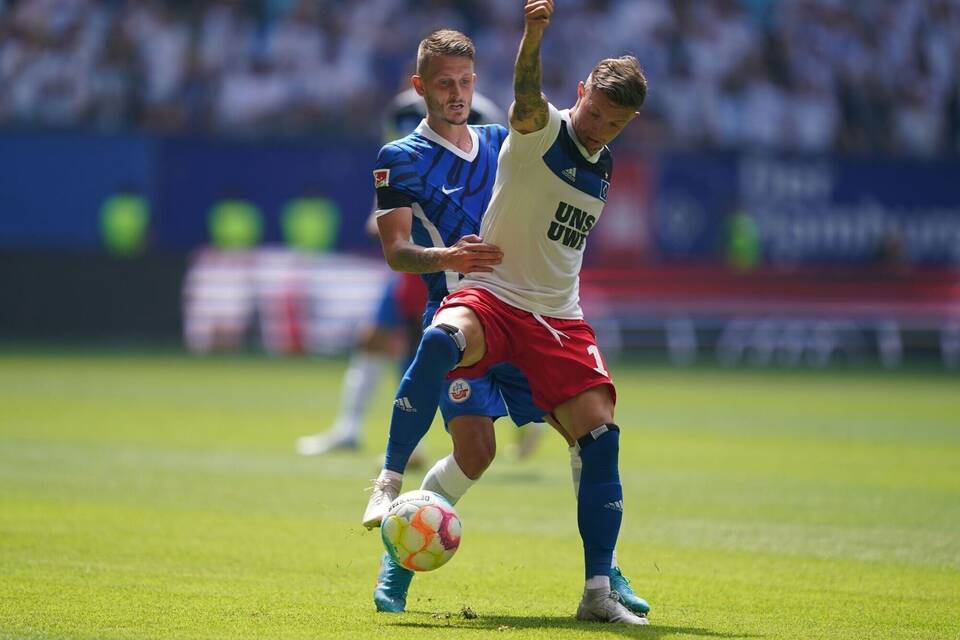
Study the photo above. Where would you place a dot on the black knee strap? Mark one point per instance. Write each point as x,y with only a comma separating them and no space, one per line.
592,437
457,335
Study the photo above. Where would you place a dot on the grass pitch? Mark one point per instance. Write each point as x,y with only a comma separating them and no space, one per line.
159,497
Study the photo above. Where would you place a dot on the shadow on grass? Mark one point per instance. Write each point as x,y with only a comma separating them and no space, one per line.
505,623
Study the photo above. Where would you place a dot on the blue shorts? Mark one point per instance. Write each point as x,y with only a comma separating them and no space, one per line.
502,391
388,314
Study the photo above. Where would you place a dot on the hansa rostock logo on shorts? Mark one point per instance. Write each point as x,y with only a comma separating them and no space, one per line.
459,390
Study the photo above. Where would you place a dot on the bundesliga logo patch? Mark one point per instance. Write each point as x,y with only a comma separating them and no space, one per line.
459,390
381,178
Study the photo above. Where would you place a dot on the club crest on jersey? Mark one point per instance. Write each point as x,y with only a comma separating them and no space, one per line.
459,390
381,178
604,187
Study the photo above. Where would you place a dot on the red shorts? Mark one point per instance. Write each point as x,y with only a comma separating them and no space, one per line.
560,358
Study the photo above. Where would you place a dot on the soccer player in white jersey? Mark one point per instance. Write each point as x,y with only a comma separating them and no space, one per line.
552,180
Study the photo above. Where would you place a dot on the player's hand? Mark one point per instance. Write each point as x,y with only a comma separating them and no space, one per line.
471,254
536,14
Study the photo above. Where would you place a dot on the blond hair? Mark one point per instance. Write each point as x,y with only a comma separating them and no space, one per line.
621,80
443,42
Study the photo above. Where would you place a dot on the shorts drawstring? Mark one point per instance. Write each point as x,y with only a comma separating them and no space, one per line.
556,334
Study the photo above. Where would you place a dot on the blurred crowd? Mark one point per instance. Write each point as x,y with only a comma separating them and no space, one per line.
857,76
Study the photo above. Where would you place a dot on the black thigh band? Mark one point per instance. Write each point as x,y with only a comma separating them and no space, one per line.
458,338
592,437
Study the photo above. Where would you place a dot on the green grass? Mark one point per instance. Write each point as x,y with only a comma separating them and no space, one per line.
158,497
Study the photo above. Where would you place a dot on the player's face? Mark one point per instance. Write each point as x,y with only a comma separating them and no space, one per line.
596,119
447,86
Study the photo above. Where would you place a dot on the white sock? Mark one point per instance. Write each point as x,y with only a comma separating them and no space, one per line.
359,382
598,582
448,479
613,561
576,468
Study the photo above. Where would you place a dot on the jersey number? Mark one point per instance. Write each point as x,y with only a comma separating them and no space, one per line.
595,352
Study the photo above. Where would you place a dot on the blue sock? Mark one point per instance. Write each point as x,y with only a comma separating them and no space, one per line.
600,503
418,395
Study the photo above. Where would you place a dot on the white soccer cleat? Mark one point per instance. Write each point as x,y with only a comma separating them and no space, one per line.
606,607
383,492
321,443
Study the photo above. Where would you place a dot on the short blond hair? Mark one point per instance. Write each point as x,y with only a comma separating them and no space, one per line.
621,80
443,42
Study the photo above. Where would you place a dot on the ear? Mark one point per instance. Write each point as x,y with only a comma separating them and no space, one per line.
417,83
581,89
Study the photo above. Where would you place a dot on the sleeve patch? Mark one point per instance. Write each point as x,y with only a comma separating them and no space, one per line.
381,178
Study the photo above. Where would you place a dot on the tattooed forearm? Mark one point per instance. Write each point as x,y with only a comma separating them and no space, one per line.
414,259
530,107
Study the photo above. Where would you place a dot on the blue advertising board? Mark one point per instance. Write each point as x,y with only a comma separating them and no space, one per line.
52,186
669,207
811,210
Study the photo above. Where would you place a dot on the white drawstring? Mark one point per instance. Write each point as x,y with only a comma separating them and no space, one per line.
556,334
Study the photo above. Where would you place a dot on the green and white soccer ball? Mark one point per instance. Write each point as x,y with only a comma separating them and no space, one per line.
421,531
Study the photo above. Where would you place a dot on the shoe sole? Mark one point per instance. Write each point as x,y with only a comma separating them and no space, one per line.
588,616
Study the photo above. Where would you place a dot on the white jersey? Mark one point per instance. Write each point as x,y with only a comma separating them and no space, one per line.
547,196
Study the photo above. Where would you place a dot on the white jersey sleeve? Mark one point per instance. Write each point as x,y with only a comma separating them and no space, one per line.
525,146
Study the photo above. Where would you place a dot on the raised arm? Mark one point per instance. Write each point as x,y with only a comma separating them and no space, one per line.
468,255
529,111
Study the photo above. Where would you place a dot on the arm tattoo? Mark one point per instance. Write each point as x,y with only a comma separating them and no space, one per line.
414,259
529,106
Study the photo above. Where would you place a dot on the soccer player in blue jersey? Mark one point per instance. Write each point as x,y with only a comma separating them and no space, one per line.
432,187
393,332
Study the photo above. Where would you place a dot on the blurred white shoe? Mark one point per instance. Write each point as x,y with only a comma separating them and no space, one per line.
321,443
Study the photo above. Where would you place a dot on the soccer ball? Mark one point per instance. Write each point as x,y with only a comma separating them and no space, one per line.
421,531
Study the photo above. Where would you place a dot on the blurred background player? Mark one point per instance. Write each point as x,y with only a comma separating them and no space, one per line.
393,332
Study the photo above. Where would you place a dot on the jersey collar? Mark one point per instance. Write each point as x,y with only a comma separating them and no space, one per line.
424,129
565,114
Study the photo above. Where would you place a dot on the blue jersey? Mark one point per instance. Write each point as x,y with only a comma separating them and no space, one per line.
447,188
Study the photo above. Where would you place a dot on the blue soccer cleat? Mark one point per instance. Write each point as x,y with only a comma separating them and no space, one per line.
621,584
390,594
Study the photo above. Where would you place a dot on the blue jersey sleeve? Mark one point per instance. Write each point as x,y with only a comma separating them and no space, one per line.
395,178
